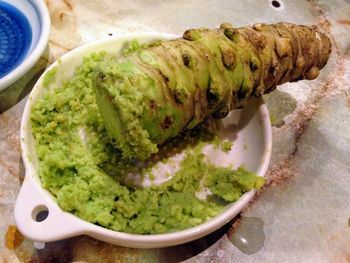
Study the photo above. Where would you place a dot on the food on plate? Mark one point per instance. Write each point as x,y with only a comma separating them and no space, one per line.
155,91
88,177
153,97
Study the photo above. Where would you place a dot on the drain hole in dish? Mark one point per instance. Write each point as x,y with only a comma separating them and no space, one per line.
276,4
40,213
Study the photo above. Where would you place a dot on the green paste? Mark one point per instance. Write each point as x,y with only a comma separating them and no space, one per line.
224,145
50,77
82,169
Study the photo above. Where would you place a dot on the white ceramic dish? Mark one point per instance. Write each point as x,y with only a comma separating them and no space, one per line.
249,129
39,20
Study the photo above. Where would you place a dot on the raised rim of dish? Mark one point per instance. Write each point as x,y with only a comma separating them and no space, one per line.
63,224
34,55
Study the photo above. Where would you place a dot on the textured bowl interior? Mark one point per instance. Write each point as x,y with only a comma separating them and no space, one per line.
33,17
249,129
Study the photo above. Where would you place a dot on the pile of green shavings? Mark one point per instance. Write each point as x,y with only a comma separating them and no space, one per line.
134,45
84,172
224,145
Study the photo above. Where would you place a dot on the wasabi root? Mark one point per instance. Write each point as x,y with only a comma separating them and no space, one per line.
153,93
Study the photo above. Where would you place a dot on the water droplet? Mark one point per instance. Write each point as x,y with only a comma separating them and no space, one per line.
280,105
248,236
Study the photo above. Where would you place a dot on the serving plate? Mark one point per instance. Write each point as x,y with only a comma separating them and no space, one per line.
249,129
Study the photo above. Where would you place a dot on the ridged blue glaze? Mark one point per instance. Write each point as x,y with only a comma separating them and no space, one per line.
15,37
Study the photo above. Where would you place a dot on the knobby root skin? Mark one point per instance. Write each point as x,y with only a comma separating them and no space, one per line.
169,86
